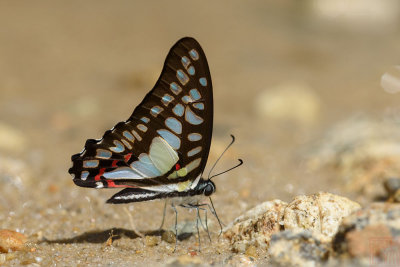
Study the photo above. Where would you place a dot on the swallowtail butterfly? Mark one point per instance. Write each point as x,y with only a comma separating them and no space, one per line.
162,149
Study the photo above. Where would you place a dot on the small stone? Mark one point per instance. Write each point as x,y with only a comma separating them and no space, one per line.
241,260
321,213
251,251
168,236
11,241
371,234
151,241
297,248
255,227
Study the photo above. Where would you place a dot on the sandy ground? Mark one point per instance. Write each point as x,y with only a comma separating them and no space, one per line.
70,70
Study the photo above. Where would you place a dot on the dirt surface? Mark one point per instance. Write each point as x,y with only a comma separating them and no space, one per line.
71,70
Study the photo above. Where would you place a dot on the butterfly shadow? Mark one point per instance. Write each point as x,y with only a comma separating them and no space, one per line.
102,236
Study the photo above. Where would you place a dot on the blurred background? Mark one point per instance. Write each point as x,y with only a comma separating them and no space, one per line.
297,82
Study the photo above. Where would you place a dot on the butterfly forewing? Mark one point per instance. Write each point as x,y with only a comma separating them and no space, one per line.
166,140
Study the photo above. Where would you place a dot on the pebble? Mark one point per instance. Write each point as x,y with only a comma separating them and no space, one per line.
151,241
255,227
371,235
297,248
321,213
241,260
168,236
11,241
294,102
251,251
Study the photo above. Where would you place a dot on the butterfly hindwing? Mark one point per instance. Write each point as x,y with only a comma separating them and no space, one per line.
164,145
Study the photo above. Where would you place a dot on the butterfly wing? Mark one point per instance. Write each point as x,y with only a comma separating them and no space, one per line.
164,144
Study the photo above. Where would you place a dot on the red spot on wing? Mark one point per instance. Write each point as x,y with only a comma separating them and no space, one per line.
101,172
114,163
177,167
127,157
111,183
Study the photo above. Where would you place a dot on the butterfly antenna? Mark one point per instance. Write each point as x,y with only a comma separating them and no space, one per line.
234,167
230,144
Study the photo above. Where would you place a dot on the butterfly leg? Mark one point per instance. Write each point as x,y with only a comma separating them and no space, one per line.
163,218
205,216
198,218
197,226
198,206
212,209
176,226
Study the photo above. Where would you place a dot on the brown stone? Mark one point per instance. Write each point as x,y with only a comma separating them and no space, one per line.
11,240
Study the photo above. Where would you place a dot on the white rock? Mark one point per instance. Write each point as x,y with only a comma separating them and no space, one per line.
321,213
256,226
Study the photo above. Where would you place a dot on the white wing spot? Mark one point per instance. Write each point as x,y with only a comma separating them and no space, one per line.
194,151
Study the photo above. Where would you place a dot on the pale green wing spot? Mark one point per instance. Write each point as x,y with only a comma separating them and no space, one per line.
173,175
183,186
185,170
162,155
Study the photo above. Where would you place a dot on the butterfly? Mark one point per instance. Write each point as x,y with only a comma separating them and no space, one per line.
161,150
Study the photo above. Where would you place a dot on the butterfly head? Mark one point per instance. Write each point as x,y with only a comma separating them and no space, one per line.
205,187
209,188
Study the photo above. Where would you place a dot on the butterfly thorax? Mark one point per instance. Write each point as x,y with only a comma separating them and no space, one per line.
193,196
